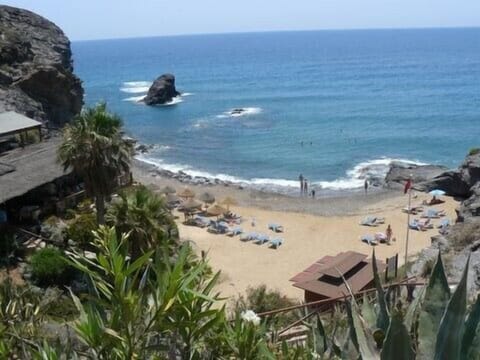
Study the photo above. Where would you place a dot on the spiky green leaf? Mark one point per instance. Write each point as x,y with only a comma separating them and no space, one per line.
397,344
368,313
452,325
435,300
383,318
471,326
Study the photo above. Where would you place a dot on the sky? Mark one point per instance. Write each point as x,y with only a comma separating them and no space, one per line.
108,19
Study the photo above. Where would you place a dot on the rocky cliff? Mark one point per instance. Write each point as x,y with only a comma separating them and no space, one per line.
36,71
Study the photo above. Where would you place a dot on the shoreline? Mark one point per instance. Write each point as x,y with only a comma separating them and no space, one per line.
345,202
313,228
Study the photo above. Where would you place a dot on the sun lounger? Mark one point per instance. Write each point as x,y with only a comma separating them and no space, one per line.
380,237
433,213
248,236
369,239
372,221
276,242
275,227
414,210
202,221
235,231
261,239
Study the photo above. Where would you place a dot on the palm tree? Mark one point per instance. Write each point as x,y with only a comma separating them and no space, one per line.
94,147
145,216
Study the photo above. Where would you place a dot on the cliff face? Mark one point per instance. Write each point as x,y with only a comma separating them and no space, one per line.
36,72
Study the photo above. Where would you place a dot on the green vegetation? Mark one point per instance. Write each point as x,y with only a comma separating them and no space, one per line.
474,151
81,229
143,215
50,267
94,147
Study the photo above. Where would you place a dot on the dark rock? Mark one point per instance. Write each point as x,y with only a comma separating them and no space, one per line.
399,173
36,72
471,206
457,182
162,90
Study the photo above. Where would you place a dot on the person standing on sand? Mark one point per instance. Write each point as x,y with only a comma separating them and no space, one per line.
389,233
300,178
305,186
313,193
365,185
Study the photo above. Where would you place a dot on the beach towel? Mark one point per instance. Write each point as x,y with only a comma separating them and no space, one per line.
275,227
276,242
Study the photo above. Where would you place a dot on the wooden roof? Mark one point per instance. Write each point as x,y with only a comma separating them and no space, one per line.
326,276
12,122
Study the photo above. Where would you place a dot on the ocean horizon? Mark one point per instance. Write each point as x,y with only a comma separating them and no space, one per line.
337,106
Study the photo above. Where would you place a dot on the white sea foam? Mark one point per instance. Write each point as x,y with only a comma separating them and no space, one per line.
176,100
187,94
135,89
137,83
354,178
244,112
135,98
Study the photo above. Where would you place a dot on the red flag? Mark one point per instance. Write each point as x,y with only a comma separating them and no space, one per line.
408,185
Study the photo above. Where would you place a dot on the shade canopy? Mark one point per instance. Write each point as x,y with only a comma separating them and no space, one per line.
207,197
187,193
437,192
229,201
172,198
216,210
191,204
168,190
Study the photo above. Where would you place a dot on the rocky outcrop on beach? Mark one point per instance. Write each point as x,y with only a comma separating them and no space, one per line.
458,182
400,172
36,71
162,90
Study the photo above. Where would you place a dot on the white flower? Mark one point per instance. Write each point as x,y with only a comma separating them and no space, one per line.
250,316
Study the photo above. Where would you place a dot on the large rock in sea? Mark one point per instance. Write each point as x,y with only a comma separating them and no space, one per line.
36,71
162,90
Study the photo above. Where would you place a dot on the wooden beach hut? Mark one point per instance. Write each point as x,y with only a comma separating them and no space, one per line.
324,279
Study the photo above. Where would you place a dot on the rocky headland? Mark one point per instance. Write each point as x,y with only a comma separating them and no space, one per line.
162,90
36,70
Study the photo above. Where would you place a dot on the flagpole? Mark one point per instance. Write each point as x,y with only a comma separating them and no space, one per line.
408,224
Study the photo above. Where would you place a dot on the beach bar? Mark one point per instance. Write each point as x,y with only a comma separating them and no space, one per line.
324,279
12,123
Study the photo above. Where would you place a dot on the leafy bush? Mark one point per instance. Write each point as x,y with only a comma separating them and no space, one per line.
474,151
80,230
54,229
69,214
260,299
50,267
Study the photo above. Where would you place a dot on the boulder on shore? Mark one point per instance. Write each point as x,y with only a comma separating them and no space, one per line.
162,90
457,182
399,173
36,72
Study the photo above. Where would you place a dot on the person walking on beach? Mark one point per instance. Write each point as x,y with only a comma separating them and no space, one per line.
313,193
389,233
300,178
305,187
365,185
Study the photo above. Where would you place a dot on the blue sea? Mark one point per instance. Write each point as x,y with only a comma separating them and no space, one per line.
335,106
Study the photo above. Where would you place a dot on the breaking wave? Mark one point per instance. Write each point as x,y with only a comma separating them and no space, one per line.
239,112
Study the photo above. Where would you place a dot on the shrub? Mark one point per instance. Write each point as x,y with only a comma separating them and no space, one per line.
474,151
80,230
69,214
50,267
260,299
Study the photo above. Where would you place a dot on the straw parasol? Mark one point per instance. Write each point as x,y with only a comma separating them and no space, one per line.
168,190
229,201
216,210
172,198
191,204
207,198
187,193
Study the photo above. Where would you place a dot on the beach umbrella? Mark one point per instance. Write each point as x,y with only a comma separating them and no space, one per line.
229,201
186,193
216,210
168,190
191,204
172,198
207,197
437,192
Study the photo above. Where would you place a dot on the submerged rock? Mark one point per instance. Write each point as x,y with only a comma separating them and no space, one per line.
36,72
162,90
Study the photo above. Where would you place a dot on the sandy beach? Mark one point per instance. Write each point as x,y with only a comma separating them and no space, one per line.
313,229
